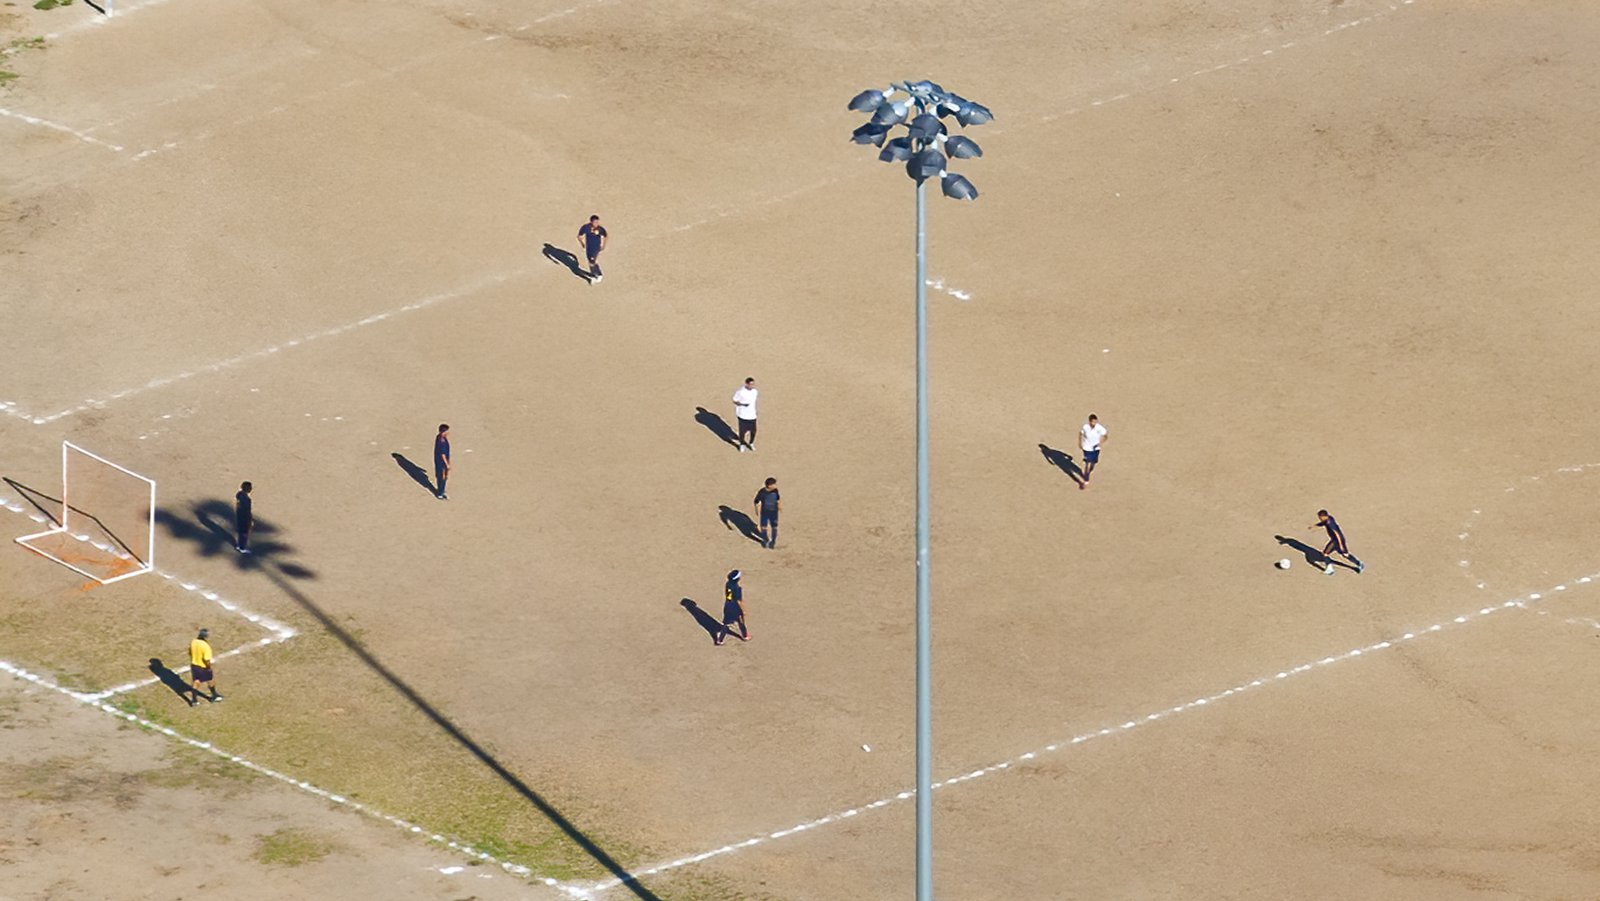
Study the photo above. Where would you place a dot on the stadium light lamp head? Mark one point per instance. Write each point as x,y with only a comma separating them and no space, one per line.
867,101
969,113
926,127
870,133
924,165
897,150
962,147
956,187
891,112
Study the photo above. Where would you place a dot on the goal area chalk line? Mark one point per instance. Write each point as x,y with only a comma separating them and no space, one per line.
1523,602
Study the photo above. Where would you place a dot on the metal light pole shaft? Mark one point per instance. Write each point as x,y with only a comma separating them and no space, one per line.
924,649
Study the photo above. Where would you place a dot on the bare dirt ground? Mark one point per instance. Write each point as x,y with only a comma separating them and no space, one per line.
97,809
1296,255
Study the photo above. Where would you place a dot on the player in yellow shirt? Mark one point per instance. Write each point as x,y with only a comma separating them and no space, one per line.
200,668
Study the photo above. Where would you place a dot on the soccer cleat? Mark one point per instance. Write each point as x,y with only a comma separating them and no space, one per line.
1359,567
193,701
1328,570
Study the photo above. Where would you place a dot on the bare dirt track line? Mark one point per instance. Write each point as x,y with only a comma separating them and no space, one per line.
1524,602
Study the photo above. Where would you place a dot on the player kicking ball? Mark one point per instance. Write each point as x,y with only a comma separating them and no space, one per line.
1336,543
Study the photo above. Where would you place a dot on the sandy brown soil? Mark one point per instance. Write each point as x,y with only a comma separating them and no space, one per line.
96,809
1353,272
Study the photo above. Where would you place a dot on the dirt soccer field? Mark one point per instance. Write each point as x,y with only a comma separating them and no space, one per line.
1294,254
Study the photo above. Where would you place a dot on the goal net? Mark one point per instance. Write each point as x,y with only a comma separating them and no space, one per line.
107,527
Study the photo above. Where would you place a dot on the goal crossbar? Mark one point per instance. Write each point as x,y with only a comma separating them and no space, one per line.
65,527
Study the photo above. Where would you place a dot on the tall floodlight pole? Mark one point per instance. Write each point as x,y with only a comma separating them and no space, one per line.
925,148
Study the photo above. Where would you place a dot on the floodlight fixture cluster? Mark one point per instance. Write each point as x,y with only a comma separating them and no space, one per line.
927,145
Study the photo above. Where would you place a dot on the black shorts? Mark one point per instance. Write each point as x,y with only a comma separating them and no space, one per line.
732,612
200,673
769,519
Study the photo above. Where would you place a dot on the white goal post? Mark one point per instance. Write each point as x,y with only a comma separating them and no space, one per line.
112,553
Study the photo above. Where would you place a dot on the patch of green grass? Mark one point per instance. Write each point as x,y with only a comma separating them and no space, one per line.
337,726
129,704
292,848
7,76
23,44
47,4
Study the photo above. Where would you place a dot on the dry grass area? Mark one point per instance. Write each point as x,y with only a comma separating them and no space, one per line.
1295,255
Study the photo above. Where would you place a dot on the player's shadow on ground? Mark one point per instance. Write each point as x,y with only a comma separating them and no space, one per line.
1062,461
417,473
734,519
171,679
1313,556
717,426
273,571
565,258
209,527
706,620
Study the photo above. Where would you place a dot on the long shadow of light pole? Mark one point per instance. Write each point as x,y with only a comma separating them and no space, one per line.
210,535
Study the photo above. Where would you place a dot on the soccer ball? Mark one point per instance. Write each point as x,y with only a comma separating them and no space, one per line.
1284,563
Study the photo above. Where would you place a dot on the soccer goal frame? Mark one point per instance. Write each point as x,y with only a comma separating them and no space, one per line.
65,526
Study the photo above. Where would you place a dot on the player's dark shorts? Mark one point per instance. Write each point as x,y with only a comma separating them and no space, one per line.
746,425
769,519
1091,456
200,673
731,612
593,253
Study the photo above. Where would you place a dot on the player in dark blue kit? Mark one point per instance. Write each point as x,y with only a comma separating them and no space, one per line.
593,236
441,459
733,609
1336,543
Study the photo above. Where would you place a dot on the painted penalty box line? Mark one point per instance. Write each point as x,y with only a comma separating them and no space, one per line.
336,798
278,631
1523,602
280,634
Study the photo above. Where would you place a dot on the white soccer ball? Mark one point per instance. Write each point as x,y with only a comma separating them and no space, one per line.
1284,563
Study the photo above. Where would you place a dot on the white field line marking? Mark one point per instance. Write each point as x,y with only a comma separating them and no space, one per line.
409,65
471,852
1586,622
551,17
725,212
57,126
1471,523
240,360
1242,61
277,632
1114,729
12,410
